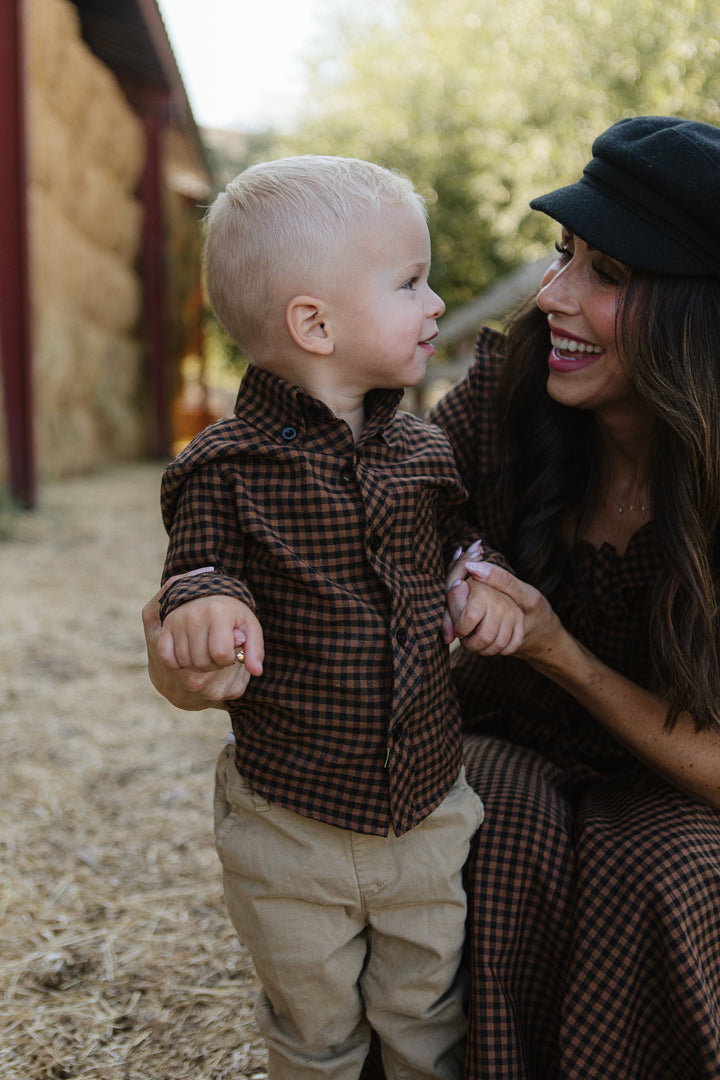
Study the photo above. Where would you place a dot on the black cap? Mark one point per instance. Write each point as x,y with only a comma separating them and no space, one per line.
650,197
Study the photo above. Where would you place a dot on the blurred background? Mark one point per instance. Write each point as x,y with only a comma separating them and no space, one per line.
121,119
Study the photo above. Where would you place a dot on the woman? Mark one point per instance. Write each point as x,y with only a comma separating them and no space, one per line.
595,883
589,439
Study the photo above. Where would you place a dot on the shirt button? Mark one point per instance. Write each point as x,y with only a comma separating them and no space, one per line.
374,542
346,475
401,637
289,433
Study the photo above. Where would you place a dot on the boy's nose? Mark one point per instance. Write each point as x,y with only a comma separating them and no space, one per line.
435,306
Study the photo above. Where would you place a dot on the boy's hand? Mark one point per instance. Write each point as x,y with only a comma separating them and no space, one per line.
186,688
206,634
486,620
543,635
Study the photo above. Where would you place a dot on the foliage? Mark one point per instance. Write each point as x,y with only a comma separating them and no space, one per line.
485,103
229,152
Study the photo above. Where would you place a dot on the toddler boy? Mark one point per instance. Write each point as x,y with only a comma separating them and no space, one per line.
314,529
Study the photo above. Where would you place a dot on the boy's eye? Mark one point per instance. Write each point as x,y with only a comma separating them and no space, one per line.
411,284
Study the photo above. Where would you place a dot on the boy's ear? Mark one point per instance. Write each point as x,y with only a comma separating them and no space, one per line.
305,320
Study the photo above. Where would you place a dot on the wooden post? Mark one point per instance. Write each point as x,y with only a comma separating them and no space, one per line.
154,278
15,307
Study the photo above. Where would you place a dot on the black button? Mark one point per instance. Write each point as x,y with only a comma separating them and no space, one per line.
346,475
374,542
289,433
402,637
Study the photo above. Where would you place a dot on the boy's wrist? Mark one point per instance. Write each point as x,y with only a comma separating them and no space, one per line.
199,584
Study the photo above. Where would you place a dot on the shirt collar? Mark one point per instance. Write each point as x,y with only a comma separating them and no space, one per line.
278,407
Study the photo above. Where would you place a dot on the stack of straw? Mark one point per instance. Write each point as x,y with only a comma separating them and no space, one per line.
85,149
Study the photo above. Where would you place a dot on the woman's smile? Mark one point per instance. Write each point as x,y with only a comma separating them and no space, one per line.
570,353
581,294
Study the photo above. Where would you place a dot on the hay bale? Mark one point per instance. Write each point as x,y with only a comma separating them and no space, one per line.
81,77
53,357
86,153
53,162
120,364
51,242
70,269
81,92
68,441
49,26
112,136
110,217
94,376
123,429
48,143
110,292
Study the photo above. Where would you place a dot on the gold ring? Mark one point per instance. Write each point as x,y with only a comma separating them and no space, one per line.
240,656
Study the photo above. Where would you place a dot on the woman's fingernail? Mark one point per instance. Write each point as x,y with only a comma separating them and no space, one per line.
457,554
479,570
475,548
457,581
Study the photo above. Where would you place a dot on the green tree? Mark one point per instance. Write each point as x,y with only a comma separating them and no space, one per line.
485,103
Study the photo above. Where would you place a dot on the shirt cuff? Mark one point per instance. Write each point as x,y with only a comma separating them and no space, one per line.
197,586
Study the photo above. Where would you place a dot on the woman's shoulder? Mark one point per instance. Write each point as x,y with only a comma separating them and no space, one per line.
489,347
471,396
484,375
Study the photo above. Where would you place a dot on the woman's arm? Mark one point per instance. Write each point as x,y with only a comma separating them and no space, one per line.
686,758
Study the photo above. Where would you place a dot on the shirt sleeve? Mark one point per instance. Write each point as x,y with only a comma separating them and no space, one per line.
467,415
203,533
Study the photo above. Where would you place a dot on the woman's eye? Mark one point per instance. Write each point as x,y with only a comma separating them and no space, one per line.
610,276
411,284
563,251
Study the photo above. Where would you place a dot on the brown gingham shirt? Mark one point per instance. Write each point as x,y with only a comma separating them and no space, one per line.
341,550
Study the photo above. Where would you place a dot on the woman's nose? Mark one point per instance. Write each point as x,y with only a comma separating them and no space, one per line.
557,292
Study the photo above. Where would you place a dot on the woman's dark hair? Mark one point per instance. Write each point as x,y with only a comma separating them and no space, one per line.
669,338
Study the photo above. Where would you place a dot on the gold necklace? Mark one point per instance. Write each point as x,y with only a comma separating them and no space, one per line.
640,508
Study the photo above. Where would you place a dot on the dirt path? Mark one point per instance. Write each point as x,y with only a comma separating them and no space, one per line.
117,961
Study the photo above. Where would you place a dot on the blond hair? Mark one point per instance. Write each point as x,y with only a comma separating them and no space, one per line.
279,225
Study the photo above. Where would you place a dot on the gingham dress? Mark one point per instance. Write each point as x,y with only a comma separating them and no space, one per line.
594,933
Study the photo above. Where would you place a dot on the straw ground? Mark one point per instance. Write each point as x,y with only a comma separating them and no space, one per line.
117,961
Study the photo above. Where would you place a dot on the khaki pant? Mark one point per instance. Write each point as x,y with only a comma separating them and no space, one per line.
347,931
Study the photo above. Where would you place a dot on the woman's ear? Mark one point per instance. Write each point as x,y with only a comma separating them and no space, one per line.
305,319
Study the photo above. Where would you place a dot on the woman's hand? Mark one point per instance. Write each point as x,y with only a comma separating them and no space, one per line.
187,688
687,759
486,621
529,628
491,611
